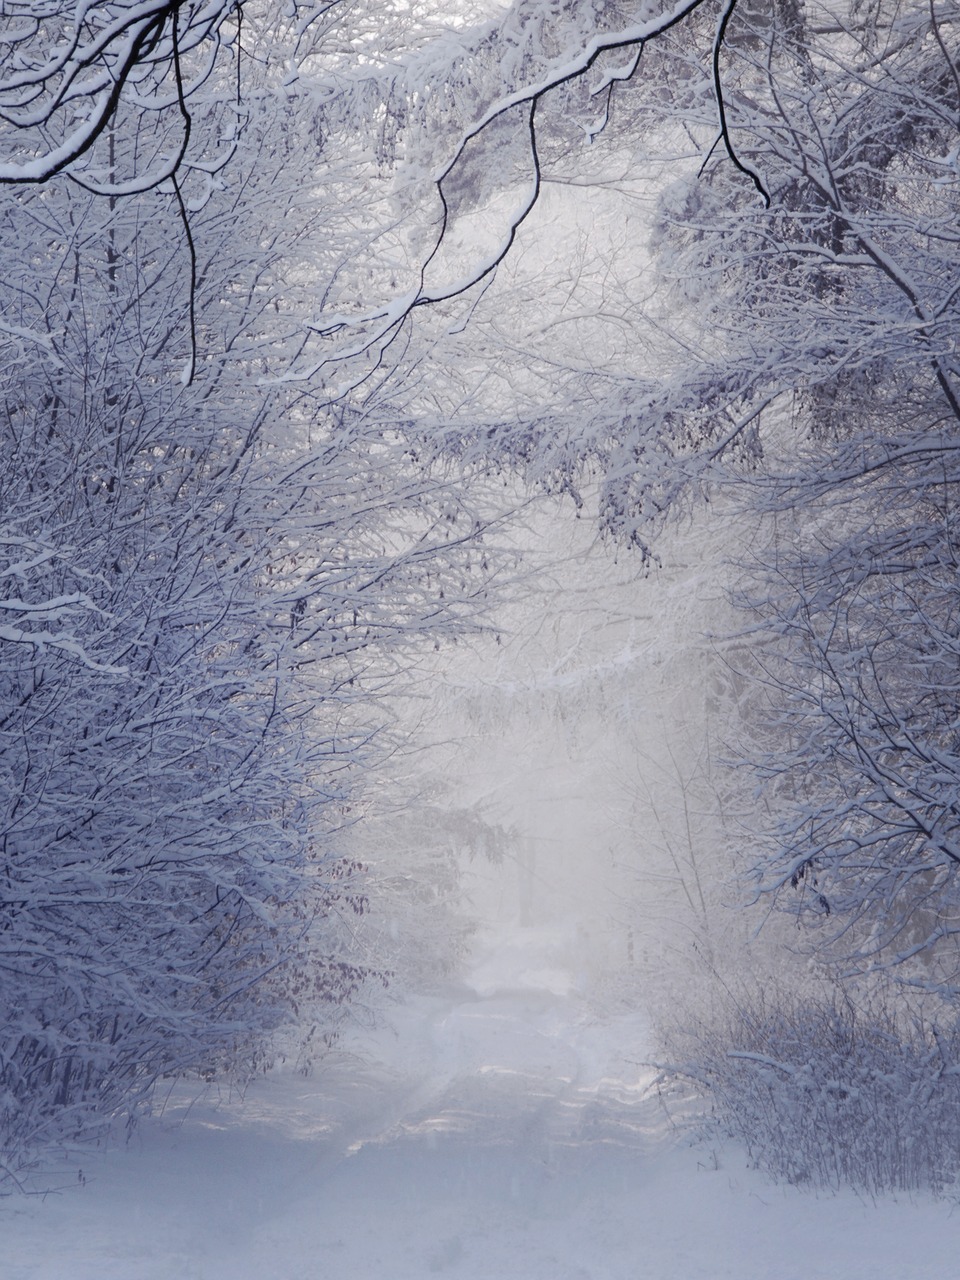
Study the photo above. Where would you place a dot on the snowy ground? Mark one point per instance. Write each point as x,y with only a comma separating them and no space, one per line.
498,1132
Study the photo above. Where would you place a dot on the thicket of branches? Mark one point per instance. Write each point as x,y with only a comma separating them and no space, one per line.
210,585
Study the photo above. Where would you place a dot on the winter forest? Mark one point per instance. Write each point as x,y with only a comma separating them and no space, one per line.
478,498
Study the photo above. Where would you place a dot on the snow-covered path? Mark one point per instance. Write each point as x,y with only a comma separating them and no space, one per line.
497,1132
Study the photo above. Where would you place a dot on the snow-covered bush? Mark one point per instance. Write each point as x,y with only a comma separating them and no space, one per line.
826,1092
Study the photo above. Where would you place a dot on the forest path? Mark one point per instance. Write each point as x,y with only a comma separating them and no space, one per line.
496,1131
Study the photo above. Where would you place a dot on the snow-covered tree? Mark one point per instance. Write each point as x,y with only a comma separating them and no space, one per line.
831,316
72,73
209,584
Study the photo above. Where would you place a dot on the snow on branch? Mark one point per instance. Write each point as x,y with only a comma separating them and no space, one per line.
374,330
65,68
48,622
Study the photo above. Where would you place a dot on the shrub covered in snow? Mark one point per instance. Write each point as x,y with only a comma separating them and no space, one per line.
825,1091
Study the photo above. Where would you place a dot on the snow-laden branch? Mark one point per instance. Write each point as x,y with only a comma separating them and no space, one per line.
376,329
76,62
